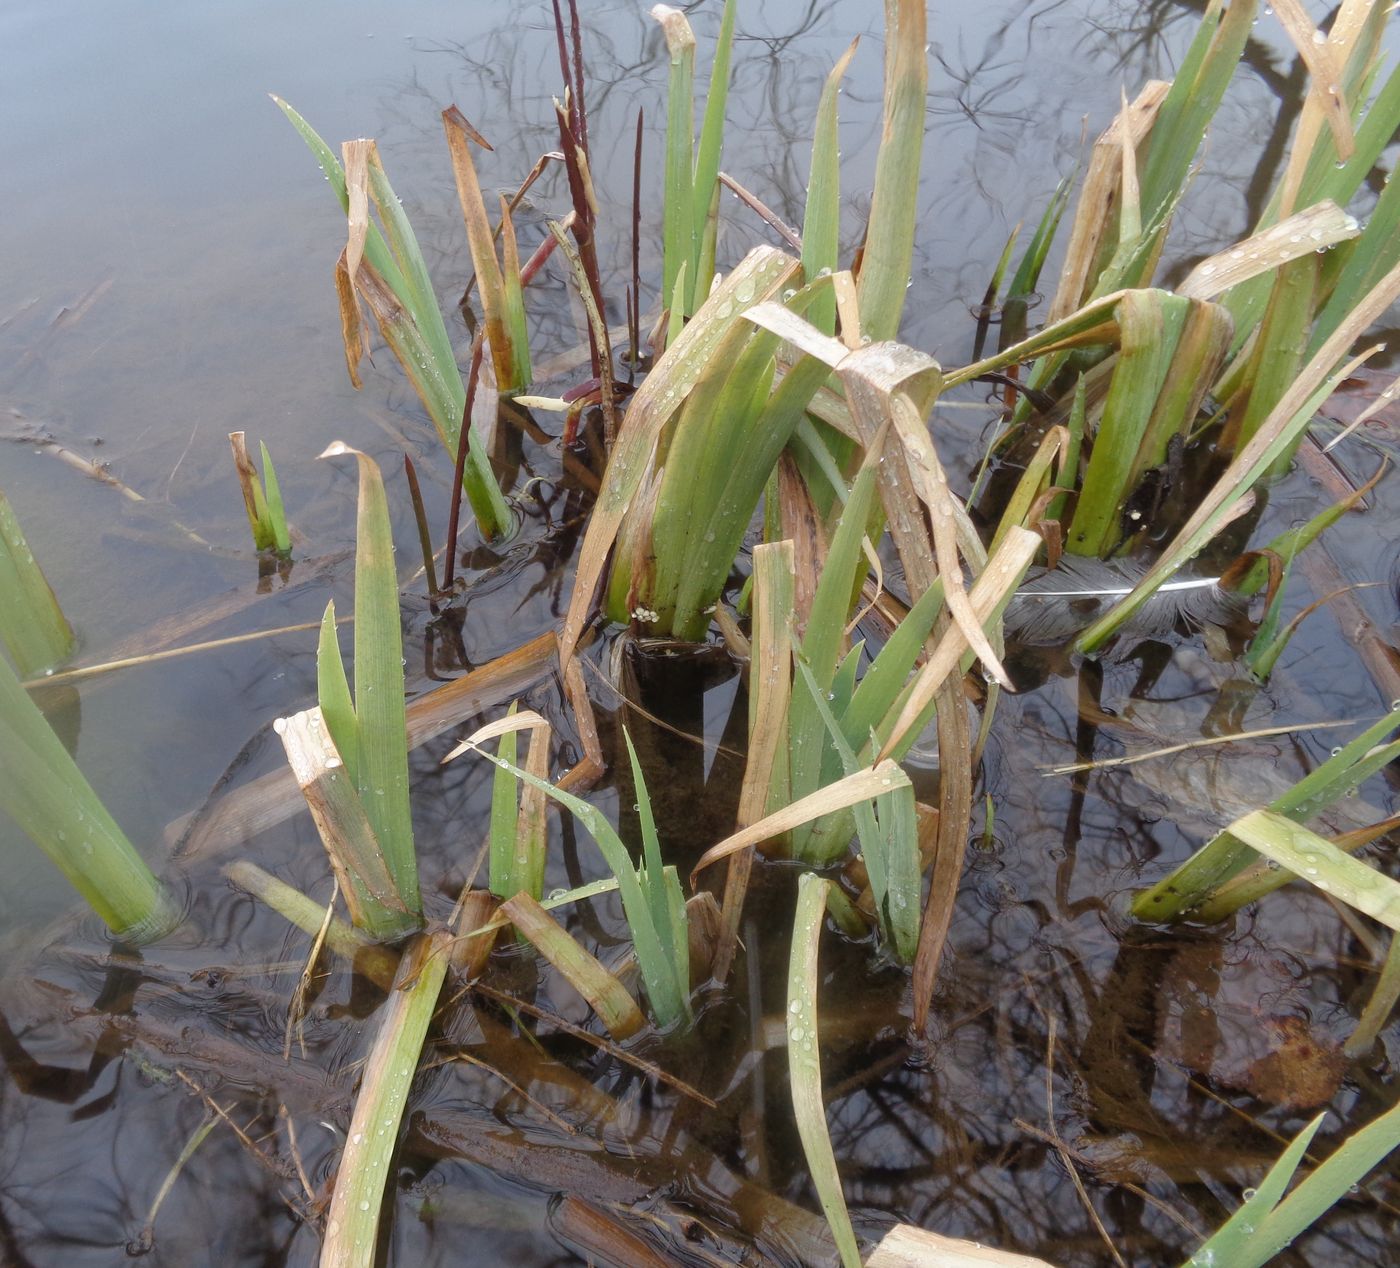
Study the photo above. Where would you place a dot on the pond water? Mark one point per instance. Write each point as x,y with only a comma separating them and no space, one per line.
168,254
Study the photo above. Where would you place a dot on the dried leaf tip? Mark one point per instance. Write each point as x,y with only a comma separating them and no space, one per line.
454,116
338,449
680,39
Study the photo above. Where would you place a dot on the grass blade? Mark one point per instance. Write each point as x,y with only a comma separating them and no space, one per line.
277,513
888,839
352,1224
32,625
668,995
616,1009
770,687
1027,276
989,594
705,186
810,757
1191,103
1264,1226
413,328
378,963
804,1063
44,792
1190,887
375,248
513,299
821,222
254,503
417,292
481,240
342,823
380,720
759,274
678,230
882,382
271,799
1231,1240
1170,351
1321,864
333,694
862,786
1098,197
889,237
1277,436
531,831
505,813
653,883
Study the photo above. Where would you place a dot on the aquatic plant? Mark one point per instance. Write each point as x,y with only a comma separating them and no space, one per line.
262,498
33,628
1267,1221
1224,874
352,1223
804,1062
383,268
692,170
781,407
44,792
364,820
516,861
651,895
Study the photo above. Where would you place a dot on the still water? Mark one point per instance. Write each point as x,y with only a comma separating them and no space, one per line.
167,256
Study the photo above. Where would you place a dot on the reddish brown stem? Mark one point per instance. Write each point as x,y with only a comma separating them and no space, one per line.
634,318
425,537
454,517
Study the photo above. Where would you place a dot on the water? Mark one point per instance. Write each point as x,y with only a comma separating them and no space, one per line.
162,198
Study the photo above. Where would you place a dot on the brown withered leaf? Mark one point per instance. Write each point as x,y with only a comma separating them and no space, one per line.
1301,1072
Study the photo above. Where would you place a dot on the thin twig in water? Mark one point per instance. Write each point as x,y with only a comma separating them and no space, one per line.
271,1164
145,1240
129,662
763,211
1064,1153
621,1054
296,1010
295,1150
1064,1147
1206,742
461,1054
170,479
628,703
